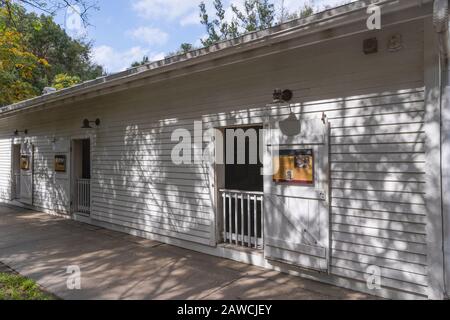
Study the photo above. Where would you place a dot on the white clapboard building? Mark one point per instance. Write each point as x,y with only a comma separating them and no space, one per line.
366,195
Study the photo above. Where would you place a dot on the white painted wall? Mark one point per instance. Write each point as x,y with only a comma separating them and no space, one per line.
375,104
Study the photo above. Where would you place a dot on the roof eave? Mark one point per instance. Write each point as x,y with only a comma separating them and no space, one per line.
297,28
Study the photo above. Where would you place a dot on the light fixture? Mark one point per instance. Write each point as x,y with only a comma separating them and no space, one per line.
282,95
17,132
87,123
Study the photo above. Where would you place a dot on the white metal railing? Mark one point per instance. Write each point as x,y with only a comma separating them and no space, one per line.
83,204
16,186
243,218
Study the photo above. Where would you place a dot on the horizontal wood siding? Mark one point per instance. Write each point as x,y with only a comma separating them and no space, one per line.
375,104
5,169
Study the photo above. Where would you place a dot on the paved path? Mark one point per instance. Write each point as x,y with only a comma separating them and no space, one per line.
118,266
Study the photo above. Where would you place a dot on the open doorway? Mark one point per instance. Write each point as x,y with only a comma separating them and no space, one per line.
15,179
242,185
81,176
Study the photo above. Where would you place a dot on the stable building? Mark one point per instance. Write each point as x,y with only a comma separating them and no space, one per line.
359,132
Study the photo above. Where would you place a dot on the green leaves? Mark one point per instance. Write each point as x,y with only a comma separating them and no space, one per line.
37,53
257,15
254,16
63,80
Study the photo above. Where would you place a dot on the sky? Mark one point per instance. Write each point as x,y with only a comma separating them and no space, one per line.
123,31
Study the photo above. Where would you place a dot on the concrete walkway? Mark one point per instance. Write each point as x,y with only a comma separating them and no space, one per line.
118,266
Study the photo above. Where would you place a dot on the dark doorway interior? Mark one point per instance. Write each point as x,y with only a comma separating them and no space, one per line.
244,177
86,159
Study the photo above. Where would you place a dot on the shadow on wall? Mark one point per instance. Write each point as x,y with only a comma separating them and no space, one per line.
377,176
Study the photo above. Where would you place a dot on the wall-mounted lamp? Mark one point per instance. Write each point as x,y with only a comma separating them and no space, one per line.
282,95
87,123
17,132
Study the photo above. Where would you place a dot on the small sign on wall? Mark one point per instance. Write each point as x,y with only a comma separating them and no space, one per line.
60,163
25,162
295,167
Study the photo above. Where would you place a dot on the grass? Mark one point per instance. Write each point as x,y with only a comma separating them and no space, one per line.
16,287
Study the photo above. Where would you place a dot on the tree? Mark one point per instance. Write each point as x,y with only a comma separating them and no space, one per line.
258,15
63,80
41,47
144,61
50,7
217,29
17,65
304,12
186,47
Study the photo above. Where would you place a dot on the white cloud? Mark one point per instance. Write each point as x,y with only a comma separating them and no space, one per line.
150,36
114,61
187,11
295,5
166,9
191,19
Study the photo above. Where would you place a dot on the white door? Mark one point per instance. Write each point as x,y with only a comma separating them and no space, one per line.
26,173
296,197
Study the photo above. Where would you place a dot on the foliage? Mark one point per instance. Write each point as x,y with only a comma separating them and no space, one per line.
63,80
17,65
50,7
184,48
34,50
48,40
218,29
306,11
16,287
144,61
258,15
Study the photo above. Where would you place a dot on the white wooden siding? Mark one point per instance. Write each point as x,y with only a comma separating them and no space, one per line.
376,107
5,169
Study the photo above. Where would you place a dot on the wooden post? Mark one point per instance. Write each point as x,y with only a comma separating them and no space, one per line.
433,156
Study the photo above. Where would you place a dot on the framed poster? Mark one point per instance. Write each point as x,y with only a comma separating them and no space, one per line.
60,163
295,167
25,162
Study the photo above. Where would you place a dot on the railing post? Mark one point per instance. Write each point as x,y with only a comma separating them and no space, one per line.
255,209
83,197
262,221
249,223
224,214
242,219
237,236
230,222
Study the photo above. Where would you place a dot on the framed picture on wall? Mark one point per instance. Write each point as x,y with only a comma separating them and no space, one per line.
295,167
60,163
25,162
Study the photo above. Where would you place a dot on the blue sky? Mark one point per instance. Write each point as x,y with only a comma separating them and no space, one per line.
124,31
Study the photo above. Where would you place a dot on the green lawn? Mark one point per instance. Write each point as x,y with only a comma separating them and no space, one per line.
16,287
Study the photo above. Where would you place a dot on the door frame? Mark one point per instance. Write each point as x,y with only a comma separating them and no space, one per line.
72,179
14,163
21,142
219,177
